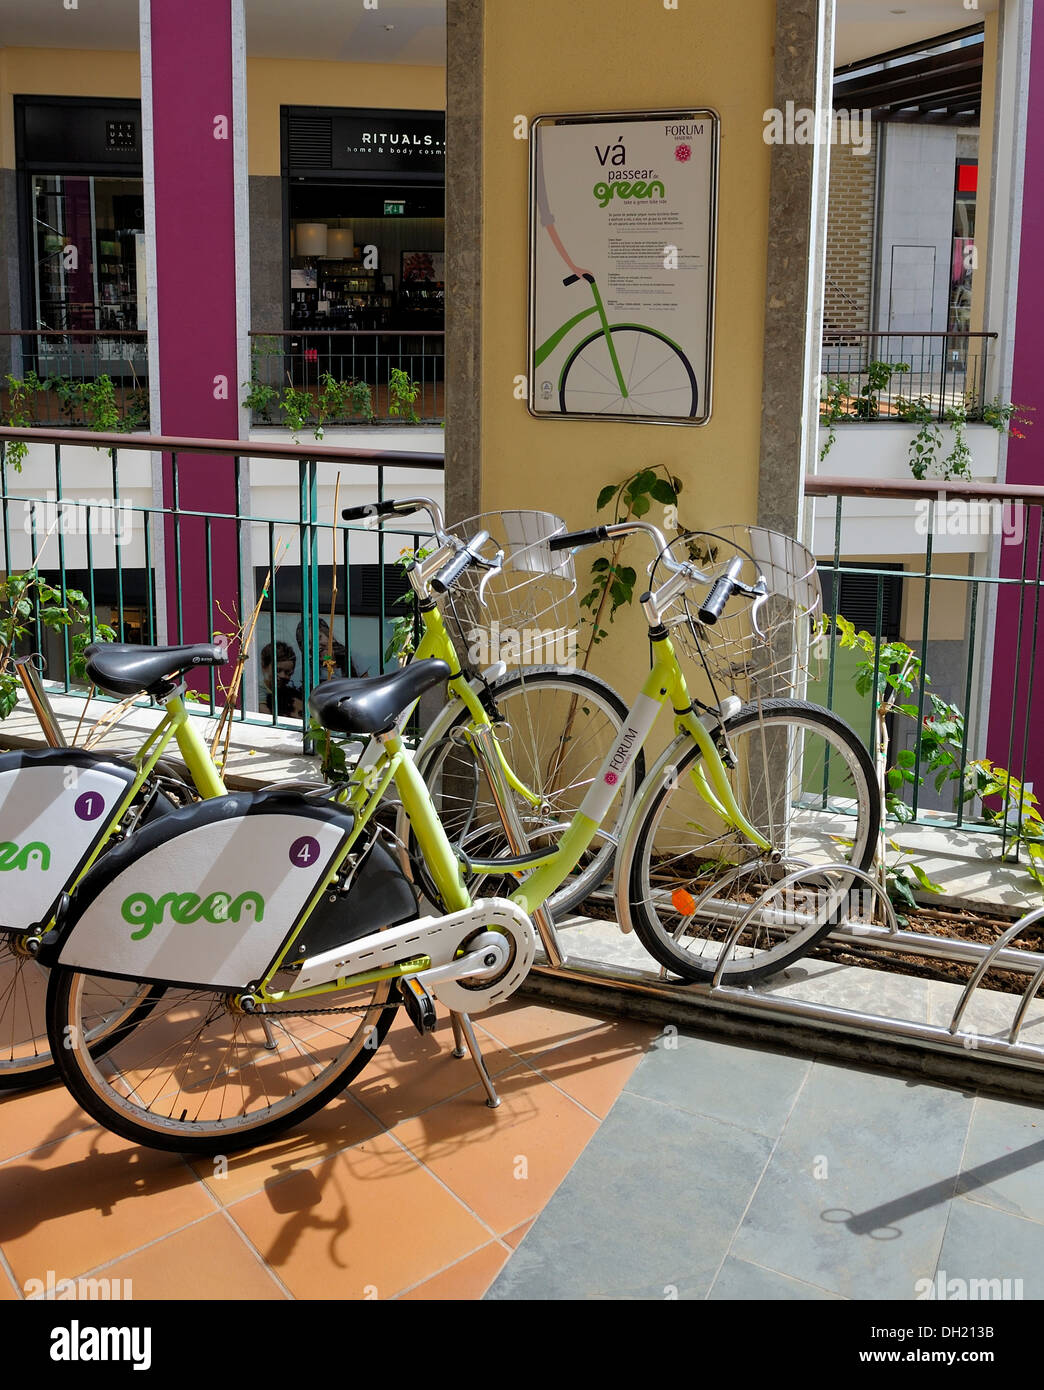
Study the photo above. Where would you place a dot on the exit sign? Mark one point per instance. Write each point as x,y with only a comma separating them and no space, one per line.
392,209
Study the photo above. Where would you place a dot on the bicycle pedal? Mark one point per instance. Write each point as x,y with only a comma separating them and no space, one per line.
419,1005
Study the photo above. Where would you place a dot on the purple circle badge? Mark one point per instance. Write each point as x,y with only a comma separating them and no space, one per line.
89,806
304,852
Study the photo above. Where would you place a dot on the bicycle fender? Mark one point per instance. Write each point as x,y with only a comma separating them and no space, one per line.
56,805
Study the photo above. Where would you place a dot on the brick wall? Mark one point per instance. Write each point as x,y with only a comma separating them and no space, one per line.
850,237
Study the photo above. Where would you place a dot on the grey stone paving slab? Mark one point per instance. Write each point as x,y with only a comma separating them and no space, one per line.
649,1208
887,1153
741,1085
740,1280
1004,1158
985,1244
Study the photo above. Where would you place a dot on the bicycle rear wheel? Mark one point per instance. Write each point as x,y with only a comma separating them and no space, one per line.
559,725
803,779
198,1075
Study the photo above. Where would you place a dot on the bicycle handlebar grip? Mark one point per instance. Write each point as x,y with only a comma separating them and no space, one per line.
452,570
369,509
720,594
572,540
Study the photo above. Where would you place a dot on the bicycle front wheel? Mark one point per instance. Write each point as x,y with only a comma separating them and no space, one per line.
656,375
558,727
198,1075
805,781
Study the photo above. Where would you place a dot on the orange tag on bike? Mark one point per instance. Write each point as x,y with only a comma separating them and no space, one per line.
684,902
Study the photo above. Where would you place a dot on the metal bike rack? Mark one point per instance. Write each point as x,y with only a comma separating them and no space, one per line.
749,1011
29,674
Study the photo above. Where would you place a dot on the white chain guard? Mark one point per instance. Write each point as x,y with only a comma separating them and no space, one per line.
440,939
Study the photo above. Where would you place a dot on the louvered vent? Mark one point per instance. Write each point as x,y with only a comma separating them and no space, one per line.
857,598
367,597
311,142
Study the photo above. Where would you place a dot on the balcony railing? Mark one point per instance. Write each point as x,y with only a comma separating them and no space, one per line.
348,376
299,379
84,510
972,616
67,366
942,370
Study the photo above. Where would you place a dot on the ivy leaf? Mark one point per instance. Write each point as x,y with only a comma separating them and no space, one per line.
640,506
922,878
661,491
606,496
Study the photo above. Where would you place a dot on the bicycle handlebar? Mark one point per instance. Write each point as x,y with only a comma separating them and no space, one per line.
454,568
723,589
403,506
573,540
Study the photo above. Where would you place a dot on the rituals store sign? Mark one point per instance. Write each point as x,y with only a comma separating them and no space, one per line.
390,143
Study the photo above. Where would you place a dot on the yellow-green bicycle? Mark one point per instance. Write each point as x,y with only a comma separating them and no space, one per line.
273,936
74,805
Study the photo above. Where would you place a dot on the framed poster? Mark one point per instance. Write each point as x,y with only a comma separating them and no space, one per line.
423,267
623,224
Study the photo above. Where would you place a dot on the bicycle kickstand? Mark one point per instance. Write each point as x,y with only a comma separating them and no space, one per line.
462,1029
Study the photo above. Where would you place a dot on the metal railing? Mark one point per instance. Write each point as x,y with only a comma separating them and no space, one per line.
170,572
346,376
942,370
973,618
59,371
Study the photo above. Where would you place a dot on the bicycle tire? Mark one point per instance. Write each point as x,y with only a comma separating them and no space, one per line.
482,836
121,1096
669,879
601,376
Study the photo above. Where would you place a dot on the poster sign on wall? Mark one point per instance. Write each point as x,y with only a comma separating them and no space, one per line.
623,217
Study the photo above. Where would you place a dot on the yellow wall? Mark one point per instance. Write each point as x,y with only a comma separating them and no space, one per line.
603,55
60,72
274,82
948,613
271,83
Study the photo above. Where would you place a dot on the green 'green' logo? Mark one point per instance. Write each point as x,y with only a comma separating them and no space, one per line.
11,857
144,912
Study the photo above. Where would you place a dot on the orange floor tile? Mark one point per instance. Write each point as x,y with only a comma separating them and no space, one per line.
407,1186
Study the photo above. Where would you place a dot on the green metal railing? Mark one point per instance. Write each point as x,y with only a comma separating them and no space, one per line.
110,525
992,628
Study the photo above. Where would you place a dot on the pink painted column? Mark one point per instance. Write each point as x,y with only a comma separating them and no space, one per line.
1015,738
193,66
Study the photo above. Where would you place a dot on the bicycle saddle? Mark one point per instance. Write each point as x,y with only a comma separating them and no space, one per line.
121,668
371,704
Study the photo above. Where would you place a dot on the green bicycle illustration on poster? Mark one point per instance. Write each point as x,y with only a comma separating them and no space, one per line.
620,368
622,362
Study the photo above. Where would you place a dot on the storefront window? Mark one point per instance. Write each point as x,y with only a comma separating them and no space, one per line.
87,244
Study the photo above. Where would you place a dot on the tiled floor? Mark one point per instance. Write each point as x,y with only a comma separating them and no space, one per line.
729,1172
624,1162
408,1186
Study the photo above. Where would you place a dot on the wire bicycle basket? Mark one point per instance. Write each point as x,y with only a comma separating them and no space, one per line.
528,614
758,648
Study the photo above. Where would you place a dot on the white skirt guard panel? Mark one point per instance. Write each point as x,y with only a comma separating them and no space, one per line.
50,816
209,906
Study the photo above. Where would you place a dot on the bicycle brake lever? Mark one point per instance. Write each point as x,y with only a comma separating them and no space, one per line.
492,567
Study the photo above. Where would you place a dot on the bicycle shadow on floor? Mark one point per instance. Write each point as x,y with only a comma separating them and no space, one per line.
880,1222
